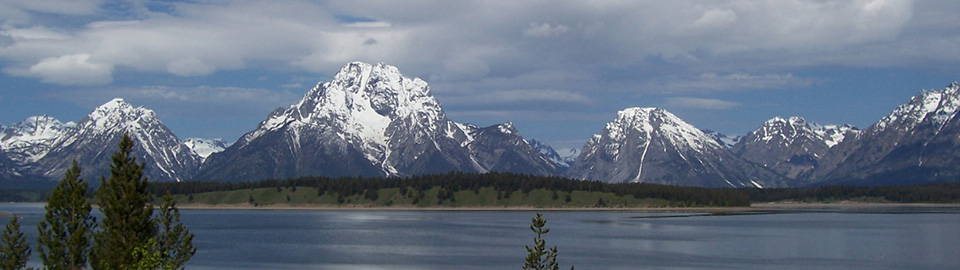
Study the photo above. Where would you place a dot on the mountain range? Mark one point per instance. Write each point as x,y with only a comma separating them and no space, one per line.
370,120
652,145
561,157
790,146
918,142
93,141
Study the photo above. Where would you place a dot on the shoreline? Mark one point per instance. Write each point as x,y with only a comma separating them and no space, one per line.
757,207
769,207
754,209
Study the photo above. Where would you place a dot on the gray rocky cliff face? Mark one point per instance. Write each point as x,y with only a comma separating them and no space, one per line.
369,120
500,148
95,139
651,145
918,142
790,146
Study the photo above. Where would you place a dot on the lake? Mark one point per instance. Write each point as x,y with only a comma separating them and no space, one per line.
887,238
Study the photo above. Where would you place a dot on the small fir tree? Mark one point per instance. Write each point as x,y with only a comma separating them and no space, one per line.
124,201
146,258
538,257
64,233
14,249
174,240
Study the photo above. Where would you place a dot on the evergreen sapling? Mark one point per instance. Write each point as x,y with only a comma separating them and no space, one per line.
65,231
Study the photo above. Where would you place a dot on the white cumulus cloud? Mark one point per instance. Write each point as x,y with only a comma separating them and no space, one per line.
76,69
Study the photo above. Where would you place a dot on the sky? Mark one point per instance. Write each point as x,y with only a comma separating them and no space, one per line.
559,70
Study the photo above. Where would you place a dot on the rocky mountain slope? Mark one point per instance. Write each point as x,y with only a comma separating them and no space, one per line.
651,145
563,157
500,148
723,139
204,147
369,120
918,142
790,146
95,139
27,141
8,168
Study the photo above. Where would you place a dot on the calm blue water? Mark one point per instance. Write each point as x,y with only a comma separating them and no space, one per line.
896,238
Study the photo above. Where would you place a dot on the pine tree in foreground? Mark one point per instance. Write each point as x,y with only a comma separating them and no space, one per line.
129,239
538,257
14,248
127,223
64,233
146,258
174,240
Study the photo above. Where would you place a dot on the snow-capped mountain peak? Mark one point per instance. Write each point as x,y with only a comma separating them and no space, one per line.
657,120
371,120
785,129
361,102
834,134
914,143
507,128
204,147
936,105
568,155
31,138
116,113
95,138
562,157
38,128
652,145
724,140
791,146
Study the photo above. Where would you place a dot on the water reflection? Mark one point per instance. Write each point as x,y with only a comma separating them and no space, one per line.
894,238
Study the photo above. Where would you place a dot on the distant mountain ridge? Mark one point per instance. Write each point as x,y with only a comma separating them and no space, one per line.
723,139
204,147
500,148
370,120
790,146
29,140
94,140
652,145
563,157
918,142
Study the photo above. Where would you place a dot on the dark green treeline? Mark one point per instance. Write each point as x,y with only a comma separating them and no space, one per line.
447,185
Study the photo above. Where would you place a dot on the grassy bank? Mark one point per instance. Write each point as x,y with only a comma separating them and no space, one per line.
450,190
485,197
505,190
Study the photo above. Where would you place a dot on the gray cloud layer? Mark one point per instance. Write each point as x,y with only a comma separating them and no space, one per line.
483,52
464,40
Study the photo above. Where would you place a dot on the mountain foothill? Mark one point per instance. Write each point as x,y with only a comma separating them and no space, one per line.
370,120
